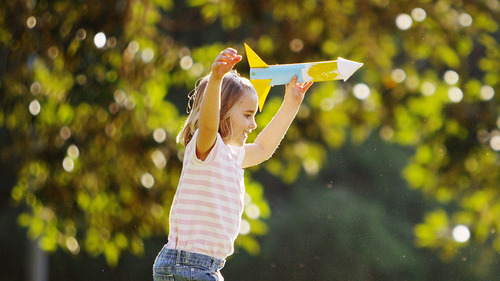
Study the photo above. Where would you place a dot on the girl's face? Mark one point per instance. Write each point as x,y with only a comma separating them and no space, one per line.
243,119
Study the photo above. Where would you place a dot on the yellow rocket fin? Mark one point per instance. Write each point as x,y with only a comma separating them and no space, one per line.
253,59
262,87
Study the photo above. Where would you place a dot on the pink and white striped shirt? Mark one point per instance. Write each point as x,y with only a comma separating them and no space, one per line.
205,216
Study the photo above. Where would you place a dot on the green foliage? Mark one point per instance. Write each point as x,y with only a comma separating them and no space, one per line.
91,125
92,129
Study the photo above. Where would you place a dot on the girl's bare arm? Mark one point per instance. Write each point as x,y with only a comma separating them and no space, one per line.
210,106
270,137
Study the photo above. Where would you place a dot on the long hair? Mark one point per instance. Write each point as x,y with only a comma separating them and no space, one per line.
233,89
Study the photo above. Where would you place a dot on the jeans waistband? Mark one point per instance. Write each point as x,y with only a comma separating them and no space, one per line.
190,258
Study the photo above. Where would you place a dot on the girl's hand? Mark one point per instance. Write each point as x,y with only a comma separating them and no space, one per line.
224,62
295,92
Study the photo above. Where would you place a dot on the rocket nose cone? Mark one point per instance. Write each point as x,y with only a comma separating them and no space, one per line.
347,67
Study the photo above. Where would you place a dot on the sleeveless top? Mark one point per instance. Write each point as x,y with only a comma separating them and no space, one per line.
205,216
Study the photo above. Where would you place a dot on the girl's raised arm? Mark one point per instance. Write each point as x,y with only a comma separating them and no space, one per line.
210,106
270,137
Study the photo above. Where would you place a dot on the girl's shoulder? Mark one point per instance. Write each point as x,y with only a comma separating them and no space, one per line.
220,151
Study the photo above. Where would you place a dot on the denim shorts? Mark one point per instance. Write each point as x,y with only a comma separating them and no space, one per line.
181,265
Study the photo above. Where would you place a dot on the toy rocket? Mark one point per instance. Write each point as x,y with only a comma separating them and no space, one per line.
264,76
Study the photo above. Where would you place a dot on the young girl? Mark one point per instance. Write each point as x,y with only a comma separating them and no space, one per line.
206,212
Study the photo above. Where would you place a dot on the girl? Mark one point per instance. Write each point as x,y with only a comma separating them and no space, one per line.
206,212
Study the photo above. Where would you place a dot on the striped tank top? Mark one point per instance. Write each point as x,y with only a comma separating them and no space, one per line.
205,216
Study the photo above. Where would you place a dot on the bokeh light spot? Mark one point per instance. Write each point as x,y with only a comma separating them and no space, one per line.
252,211
487,92
461,233
100,40
244,227
327,104
428,89
451,77
31,22
120,97
160,135
398,75
35,107
296,45
455,94
404,21
65,132
465,19
53,52
36,88
73,151
361,91
418,14
68,164
72,245
81,79
133,47
495,140
147,55
159,159
186,62
147,180
81,34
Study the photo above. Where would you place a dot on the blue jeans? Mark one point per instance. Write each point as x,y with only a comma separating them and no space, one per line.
178,265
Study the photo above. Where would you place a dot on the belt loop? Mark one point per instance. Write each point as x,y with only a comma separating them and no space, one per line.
178,262
212,263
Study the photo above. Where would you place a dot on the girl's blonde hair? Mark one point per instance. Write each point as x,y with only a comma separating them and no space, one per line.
233,89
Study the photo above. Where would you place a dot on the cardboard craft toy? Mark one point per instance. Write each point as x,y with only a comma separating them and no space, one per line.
263,76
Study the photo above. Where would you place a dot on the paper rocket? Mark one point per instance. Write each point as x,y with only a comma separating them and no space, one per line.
264,76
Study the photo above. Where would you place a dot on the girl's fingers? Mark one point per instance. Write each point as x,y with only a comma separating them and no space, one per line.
225,61
308,85
229,50
238,58
229,56
229,53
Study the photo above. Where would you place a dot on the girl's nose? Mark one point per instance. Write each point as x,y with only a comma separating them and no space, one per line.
253,124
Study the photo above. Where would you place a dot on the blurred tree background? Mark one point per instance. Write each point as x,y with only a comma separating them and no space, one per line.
393,175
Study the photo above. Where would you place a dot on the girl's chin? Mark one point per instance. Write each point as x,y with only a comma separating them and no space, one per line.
238,143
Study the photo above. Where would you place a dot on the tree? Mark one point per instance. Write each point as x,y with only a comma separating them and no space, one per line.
430,82
91,134
91,105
